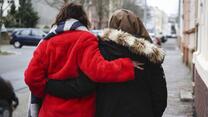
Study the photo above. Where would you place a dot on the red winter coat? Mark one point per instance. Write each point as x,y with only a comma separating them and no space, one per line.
62,57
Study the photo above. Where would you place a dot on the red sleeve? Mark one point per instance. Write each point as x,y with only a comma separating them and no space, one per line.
98,69
35,73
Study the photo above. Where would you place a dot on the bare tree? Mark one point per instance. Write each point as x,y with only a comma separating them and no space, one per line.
132,5
59,3
102,7
56,3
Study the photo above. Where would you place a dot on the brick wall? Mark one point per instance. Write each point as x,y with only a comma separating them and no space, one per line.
201,96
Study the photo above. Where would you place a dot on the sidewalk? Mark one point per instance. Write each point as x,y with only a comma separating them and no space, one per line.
178,78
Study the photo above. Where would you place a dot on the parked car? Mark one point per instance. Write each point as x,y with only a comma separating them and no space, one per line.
156,40
29,36
171,36
162,37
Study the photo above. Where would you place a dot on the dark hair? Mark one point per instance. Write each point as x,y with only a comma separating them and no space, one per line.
72,10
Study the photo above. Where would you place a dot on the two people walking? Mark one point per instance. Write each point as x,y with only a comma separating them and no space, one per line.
75,74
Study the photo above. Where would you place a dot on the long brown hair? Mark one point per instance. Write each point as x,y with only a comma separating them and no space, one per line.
72,10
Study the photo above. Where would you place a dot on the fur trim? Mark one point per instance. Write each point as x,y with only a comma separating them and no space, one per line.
136,45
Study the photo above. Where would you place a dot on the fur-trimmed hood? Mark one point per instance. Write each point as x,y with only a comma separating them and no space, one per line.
139,46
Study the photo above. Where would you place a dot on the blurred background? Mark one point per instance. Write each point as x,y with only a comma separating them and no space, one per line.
178,26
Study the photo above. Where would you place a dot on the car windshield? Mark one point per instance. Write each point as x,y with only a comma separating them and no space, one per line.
24,32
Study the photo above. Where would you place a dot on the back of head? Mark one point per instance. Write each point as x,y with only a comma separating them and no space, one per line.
7,96
72,10
127,21
5,89
7,93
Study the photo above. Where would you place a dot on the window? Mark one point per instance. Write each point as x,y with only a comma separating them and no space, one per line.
37,32
25,32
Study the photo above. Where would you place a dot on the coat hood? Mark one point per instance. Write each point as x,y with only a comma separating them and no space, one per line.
127,21
139,46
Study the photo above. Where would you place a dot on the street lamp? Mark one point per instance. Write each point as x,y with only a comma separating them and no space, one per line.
1,14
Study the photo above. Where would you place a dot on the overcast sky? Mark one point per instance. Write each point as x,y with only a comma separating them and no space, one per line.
169,6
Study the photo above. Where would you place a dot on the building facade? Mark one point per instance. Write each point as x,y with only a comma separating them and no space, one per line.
200,60
194,44
157,21
188,40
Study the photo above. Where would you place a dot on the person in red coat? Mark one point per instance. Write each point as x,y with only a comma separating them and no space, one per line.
68,49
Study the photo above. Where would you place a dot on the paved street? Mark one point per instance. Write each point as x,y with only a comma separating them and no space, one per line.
178,78
12,66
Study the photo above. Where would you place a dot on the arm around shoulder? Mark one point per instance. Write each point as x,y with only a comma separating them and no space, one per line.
98,69
71,88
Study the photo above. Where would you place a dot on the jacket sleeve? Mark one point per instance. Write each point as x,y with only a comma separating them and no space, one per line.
98,69
36,72
71,88
158,90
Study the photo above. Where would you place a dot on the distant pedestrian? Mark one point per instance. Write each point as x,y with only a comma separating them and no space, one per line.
8,99
146,96
68,49
162,37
